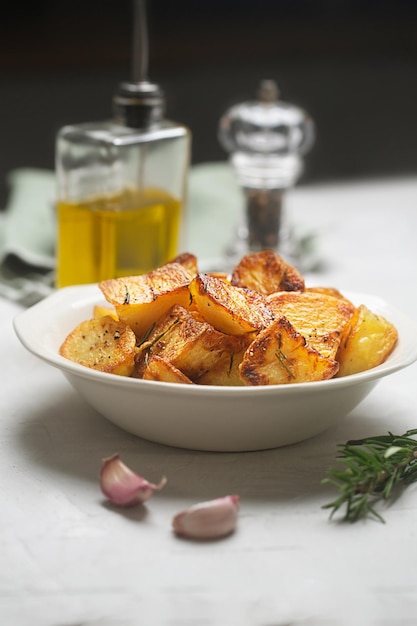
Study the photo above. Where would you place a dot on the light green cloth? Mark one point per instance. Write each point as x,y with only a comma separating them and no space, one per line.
215,210
27,237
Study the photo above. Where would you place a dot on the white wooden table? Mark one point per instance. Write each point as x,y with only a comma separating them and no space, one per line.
67,558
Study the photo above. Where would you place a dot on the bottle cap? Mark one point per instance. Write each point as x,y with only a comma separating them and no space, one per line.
266,139
267,125
138,105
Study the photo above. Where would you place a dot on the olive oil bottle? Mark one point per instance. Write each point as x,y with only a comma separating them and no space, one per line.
121,185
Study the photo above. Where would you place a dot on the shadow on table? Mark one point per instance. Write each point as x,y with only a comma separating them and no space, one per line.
71,439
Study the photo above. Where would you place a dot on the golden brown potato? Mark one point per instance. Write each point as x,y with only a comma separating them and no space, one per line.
102,344
141,300
320,318
229,309
163,371
188,262
102,311
280,355
225,371
328,291
325,343
221,275
266,272
367,341
189,343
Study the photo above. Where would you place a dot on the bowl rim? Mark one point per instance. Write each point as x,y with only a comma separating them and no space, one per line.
73,298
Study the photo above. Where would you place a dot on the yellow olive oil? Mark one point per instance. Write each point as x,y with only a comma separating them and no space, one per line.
124,234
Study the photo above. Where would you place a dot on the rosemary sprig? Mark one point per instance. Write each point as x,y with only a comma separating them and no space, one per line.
375,469
283,359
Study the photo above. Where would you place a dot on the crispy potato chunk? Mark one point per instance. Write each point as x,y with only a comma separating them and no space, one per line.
225,371
367,341
280,355
325,343
328,291
102,344
188,262
320,318
187,341
221,275
141,300
266,272
163,371
229,309
102,311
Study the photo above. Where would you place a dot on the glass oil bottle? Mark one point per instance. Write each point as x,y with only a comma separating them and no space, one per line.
121,183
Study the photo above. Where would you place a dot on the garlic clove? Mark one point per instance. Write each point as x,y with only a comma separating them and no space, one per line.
208,520
122,486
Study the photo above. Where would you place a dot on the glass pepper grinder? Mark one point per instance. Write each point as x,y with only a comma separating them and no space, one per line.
121,183
266,139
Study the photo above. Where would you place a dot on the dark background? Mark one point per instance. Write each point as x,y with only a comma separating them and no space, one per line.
351,64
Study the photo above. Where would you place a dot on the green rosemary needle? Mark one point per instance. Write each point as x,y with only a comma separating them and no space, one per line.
375,469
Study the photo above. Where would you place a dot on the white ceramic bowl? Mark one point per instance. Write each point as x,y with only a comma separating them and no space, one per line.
203,417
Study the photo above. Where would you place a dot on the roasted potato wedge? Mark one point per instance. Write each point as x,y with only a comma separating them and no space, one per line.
163,371
328,291
266,272
231,310
102,311
367,341
188,342
320,318
102,344
281,355
325,343
221,275
188,262
225,371
141,300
